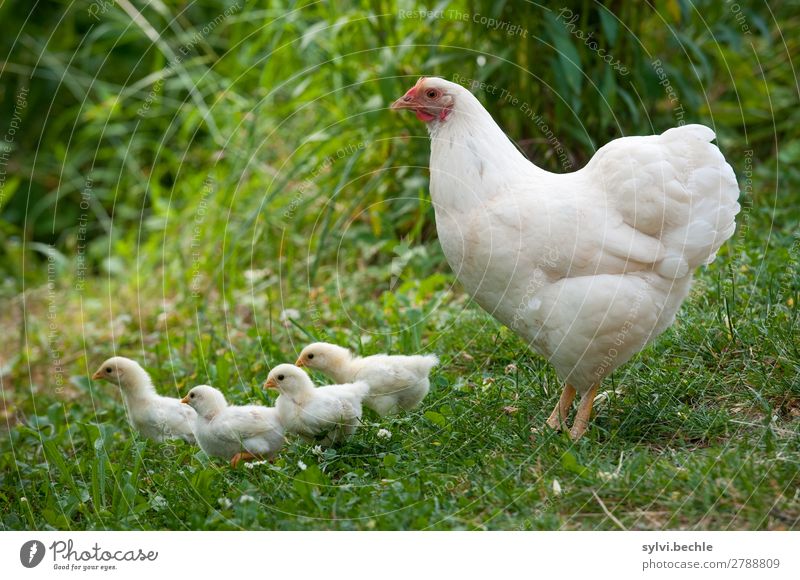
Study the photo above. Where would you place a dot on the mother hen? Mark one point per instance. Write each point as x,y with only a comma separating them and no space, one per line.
588,267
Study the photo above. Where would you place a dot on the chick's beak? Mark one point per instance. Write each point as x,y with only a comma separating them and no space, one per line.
97,375
270,384
185,400
299,362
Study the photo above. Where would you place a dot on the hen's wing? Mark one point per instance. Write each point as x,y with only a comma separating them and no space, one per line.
675,189
568,234
664,202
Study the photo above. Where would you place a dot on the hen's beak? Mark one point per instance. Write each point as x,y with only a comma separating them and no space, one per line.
185,400
97,375
299,362
409,100
270,384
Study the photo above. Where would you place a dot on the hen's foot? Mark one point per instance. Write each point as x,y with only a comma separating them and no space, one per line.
584,414
558,418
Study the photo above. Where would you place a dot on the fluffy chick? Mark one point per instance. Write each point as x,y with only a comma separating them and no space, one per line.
153,416
333,411
396,383
236,433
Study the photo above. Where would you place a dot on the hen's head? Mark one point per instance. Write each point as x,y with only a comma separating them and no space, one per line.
432,99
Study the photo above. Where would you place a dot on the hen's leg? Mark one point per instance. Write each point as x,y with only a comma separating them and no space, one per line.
584,413
243,456
558,417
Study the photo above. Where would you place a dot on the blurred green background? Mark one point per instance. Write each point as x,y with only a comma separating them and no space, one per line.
139,103
206,186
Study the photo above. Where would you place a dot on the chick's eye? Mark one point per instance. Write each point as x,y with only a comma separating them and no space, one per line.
432,94
108,370
280,377
310,356
191,395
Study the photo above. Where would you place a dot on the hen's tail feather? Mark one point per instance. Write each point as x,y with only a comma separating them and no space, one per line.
712,201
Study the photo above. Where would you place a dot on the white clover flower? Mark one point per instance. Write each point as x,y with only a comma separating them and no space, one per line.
224,502
246,498
288,314
158,503
607,475
301,465
317,450
384,434
254,464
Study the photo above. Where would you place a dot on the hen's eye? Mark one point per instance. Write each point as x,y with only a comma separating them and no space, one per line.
191,395
310,356
431,94
280,377
108,370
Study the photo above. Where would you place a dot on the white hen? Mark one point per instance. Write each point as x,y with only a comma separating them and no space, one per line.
588,267
332,412
236,433
155,417
395,382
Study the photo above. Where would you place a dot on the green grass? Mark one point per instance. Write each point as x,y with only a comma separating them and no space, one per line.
299,194
700,431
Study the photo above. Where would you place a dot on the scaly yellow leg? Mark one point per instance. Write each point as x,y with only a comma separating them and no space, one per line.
558,418
584,413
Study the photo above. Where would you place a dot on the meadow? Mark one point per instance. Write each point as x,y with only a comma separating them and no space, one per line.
208,186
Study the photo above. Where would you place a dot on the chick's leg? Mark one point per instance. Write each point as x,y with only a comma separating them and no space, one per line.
558,417
243,456
584,413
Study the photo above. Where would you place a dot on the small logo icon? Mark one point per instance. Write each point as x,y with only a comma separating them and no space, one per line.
31,553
